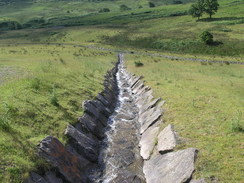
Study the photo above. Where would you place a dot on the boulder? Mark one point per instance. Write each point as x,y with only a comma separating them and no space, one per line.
167,139
147,142
73,168
173,167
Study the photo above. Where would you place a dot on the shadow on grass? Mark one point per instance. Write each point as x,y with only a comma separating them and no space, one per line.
220,19
216,43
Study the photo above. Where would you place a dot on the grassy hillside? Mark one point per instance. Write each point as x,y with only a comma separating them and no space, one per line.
163,28
23,10
205,103
42,86
42,89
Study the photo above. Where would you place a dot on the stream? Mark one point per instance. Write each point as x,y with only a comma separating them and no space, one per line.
121,158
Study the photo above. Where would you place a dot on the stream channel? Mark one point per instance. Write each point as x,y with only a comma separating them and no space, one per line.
121,158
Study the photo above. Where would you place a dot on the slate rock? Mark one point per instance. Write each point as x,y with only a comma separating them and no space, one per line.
128,177
151,117
90,124
73,168
149,105
35,178
173,167
167,139
147,141
83,144
95,112
52,178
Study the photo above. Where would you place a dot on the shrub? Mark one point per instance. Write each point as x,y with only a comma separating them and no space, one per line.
138,64
35,84
151,4
53,98
104,10
124,8
207,37
177,2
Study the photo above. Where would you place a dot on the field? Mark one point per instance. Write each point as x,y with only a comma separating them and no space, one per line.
43,84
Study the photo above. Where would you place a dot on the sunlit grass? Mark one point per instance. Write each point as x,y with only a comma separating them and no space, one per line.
203,102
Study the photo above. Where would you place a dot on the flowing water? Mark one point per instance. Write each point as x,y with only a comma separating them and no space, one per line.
121,158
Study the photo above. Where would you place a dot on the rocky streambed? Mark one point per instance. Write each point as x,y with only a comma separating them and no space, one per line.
118,140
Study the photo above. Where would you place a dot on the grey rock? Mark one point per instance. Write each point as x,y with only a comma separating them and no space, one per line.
167,139
95,112
149,118
83,144
147,141
128,177
52,178
73,168
101,98
90,124
173,167
35,178
149,105
198,181
134,81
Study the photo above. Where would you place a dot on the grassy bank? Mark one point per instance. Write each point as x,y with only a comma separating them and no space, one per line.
40,95
205,103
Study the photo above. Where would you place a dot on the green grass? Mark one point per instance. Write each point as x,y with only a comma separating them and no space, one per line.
42,86
205,103
43,100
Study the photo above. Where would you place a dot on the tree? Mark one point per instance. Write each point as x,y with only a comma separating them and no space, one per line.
151,4
207,37
211,7
197,9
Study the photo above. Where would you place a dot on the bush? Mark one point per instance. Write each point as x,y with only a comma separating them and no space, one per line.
207,37
124,8
53,97
138,64
151,4
104,10
35,84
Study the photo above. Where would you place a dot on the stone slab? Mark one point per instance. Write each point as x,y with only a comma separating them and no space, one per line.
167,139
147,142
174,167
